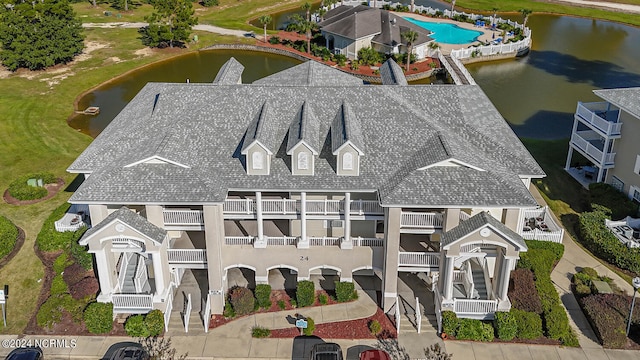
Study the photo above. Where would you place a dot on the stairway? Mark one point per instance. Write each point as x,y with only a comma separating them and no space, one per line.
176,325
478,280
128,287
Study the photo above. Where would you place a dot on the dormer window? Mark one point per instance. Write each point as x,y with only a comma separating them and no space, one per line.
258,160
303,160
347,161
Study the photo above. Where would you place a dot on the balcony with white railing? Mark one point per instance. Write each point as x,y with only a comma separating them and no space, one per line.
370,242
418,259
586,145
132,303
187,256
366,207
325,241
475,308
234,208
421,220
238,240
602,116
324,207
281,240
181,218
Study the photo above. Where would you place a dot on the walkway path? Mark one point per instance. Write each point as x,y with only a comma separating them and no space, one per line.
628,8
137,25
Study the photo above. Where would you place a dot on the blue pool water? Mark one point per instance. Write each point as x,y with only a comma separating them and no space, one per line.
447,33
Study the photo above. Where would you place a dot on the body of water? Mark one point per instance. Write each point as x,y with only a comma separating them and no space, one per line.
447,33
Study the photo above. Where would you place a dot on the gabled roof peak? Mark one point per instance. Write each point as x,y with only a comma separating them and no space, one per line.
305,128
259,131
346,129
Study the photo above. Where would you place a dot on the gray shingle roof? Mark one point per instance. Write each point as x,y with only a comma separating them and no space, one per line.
261,130
230,73
305,127
392,26
309,73
401,129
475,223
132,219
346,127
392,74
626,98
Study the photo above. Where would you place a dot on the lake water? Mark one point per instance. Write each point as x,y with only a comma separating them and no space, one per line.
536,94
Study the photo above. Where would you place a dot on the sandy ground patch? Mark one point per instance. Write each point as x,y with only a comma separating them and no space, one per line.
89,47
262,9
4,73
146,51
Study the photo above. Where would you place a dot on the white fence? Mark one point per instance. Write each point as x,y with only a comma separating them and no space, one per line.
186,256
282,240
430,259
132,303
371,242
325,241
488,50
463,306
540,225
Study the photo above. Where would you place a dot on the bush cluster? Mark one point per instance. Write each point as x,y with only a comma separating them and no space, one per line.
260,332
523,293
98,317
305,293
606,313
209,3
140,325
596,237
21,191
51,240
81,255
506,325
345,291
529,324
274,40
241,300
616,202
369,56
263,295
582,282
466,329
8,236
375,327
311,327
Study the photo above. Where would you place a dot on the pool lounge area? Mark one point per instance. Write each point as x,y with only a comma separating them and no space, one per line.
448,33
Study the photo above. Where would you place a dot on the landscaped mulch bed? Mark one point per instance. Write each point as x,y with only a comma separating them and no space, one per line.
350,329
52,190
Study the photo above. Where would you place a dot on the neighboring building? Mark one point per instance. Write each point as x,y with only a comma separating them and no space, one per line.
348,29
306,172
608,155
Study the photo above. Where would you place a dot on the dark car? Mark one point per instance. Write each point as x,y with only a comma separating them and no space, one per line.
29,353
130,353
326,351
374,355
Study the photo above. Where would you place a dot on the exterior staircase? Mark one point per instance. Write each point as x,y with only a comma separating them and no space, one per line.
478,280
128,287
176,324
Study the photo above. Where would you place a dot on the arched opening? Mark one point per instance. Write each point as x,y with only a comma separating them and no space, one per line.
241,276
369,280
331,42
325,278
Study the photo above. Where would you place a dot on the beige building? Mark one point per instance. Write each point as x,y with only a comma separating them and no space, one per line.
306,173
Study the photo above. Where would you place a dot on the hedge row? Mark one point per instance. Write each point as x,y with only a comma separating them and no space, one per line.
305,293
607,315
345,291
523,293
8,236
506,326
98,317
21,191
596,237
615,201
151,324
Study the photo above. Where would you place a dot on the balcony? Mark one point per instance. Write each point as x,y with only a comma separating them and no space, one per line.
183,219
418,261
602,116
289,208
132,303
420,222
590,145
187,257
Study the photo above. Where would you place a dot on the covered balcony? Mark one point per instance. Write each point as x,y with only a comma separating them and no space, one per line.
602,117
592,145
420,222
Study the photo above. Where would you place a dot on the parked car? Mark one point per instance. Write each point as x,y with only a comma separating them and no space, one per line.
130,353
374,355
28,353
326,351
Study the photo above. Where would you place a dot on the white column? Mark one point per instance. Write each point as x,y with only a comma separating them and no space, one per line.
573,131
505,274
104,276
304,241
158,274
346,243
447,279
259,243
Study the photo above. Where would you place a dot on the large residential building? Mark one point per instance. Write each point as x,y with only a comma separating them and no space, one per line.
608,155
347,29
307,172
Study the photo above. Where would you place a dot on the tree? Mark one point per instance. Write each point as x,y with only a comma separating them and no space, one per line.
170,22
495,14
265,20
525,14
304,26
39,34
307,7
409,37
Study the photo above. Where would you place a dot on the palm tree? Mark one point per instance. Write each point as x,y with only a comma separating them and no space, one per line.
321,13
264,20
306,26
495,11
525,14
307,7
409,37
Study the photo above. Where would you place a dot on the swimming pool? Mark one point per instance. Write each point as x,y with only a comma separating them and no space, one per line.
447,33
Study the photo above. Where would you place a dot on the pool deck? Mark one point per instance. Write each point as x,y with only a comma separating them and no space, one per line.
446,48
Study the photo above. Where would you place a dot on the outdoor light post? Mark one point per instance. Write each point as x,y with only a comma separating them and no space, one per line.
636,285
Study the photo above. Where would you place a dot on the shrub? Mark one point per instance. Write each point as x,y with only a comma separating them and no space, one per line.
608,324
540,261
340,59
228,310
274,40
242,300
135,326
522,291
98,317
449,323
555,248
580,278
556,322
548,294
305,293
81,255
345,291
209,3
281,304
8,236
21,191
590,272
311,327
506,325
154,321
323,299
616,202
583,290
529,324
375,327
51,240
260,332
369,56
50,312
472,329
58,286
61,263
263,295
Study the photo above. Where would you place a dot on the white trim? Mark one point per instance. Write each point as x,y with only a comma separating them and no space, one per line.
452,162
325,267
239,266
632,191
484,241
302,142
348,142
85,240
284,267
254,143
390,294
158,158
636,167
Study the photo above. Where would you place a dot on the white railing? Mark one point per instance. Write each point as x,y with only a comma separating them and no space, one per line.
464,70
325,241
464,216
553,232
470,248
198,256
362,207
282,240
238,240
324,207
418,315
431,259
488,50
421,220
397,313
126,243
279,206
459,276
371,242
141,277
132,302
537,234
438,305
487,279
466,306
207,313
168,309
187,313
467,281
454,76
122,270
587,111
69,222
591,150
182,217
239,206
